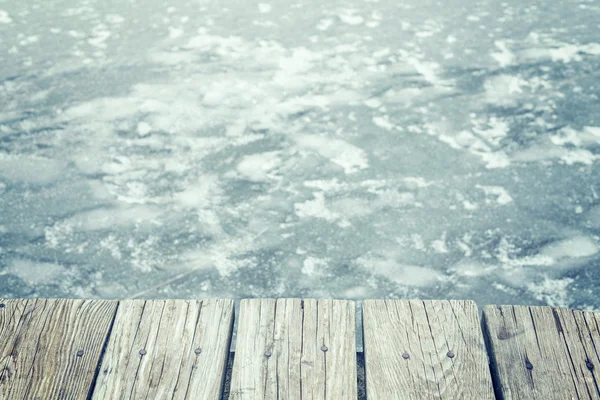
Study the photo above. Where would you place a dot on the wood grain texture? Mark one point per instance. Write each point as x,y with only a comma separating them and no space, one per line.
50,349
543,353
424,350
167,349
294,349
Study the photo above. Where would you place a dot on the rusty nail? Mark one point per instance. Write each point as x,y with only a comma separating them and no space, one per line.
79,353
268,354
589,365
450,354
198,350
528,365
143,352
406,356
324,348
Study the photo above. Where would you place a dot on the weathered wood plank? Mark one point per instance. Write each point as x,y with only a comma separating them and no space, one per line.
294,349
328,366
543,353
50,349
167,349
424,350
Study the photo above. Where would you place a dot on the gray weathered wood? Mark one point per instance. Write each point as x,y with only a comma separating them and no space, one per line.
294,349
167,349
424,350
543,353
49,349
52,349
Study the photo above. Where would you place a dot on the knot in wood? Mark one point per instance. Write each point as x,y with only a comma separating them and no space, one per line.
589,365
79,353
406,356
528,365
2,305
198,350
450,354
324,348
267,354
143,352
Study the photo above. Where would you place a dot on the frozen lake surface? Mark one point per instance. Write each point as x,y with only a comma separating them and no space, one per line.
349,149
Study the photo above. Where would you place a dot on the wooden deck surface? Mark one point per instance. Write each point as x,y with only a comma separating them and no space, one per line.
294,349
425,350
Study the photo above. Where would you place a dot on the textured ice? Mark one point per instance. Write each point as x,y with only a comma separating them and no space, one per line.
32,170
322,148
36,273
5,17
256,167
264,8
349,157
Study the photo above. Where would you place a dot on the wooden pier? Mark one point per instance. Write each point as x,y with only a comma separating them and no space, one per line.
294,349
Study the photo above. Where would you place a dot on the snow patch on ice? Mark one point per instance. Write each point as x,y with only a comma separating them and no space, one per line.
383,122
5,17
99,36
472,269
114,19
483,143
504,90
206,192
258,167
315,208
553,292
351,158
174,33
36,273
504,57
496,194
439,245
570,52
386,265
32,170
573,247
264,8
579,156
313,266
144,128
350,17
325,24
110,218
225,256
428,69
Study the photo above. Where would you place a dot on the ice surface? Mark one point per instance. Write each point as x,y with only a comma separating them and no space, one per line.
5,17
318,148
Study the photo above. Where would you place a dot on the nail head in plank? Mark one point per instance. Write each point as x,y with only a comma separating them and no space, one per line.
295,334
153,350
543,353
50,348
424,350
